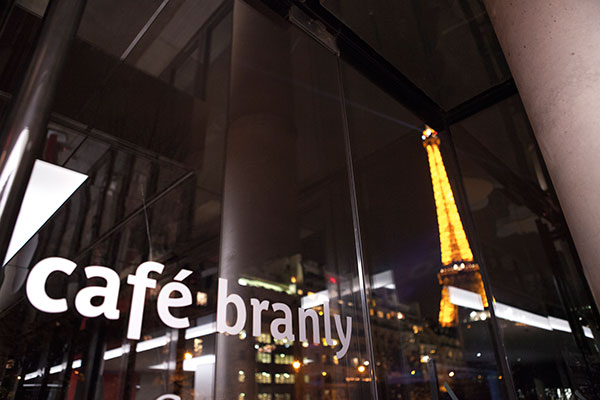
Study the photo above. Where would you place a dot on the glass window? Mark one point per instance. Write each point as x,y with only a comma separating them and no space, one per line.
233,212
21,24
429,335
19,28
544,308
263,357
284,359
263,377
284,378
150,153
288,238
446,48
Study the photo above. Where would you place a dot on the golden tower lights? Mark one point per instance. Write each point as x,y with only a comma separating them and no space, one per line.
458,268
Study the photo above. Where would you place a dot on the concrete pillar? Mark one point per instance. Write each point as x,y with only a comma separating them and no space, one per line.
260,221
553,50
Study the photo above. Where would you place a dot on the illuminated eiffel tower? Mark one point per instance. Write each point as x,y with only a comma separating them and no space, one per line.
458,268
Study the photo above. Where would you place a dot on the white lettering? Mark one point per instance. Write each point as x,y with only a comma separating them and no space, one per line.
168,397
327,323
222,301
286,321
344,337
140,282
110,293
280,328
36,284
165,301
257,309
302,314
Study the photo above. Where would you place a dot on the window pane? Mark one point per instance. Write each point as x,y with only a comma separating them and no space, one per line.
287,222
545,310
429,329
446,48
152,154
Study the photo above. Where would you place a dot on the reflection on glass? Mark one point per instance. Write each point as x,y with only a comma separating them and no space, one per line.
153,155
459,270
18,36
212,138
426,338
544,308
433,43
287,223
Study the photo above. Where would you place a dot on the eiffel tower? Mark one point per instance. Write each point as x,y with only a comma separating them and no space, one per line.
458,267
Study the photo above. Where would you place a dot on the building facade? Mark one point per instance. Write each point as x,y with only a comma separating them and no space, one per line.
279,199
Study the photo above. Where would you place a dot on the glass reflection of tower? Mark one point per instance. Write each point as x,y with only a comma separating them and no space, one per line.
458,268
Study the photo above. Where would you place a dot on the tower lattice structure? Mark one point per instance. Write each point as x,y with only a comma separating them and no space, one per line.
458,267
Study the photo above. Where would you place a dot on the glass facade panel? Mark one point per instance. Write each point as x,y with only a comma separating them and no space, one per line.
547,317
151,155
432,42
18,32
20,28
418,349
224,208
287,221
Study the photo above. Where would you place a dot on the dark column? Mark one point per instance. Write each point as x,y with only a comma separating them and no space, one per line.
23,136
